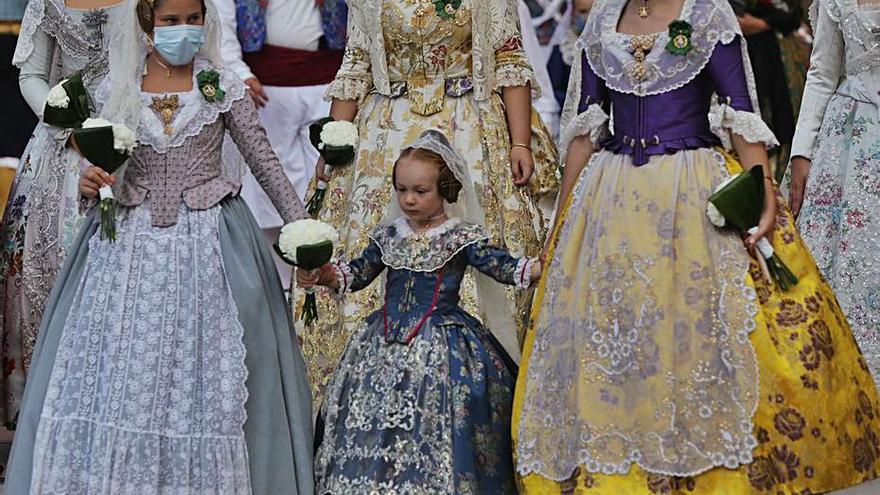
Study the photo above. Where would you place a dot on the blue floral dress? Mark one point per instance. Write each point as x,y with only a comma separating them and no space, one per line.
421,401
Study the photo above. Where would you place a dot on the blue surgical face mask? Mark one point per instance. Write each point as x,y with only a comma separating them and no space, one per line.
179,44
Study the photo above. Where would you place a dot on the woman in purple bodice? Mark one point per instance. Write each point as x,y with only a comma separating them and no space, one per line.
659,359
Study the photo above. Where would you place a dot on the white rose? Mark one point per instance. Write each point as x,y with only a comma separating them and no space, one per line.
57,97
304,233
339,133
712,211
715,215
95,123
123,138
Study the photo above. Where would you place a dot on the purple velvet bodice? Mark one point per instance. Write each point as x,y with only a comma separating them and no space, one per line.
675,120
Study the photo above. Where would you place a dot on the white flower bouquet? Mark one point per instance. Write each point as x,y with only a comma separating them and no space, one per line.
308,245
738,202
336,141
106,145
67,104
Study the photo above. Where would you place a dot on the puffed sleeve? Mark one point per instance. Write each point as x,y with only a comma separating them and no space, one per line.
590,95
735,112
33,77
360,272
512,67
826,69
243,124
354,79
500,265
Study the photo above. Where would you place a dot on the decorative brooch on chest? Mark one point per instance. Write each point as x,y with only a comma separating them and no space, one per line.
640,45
446,9
680,38
209,85
166,107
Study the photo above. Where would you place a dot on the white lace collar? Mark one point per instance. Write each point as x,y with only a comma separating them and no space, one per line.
194,111
404,249
610,58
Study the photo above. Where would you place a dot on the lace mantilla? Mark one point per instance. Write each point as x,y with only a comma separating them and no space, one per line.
860,25
609,56
195,112
403,249
724,120
51,17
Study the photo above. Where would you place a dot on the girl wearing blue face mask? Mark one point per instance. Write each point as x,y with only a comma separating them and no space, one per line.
167,361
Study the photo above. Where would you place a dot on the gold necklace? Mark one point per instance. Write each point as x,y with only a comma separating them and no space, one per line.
643,9
166,106
168,72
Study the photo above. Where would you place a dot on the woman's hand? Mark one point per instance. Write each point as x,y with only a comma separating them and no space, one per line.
93,179
768,217
522,165
752,25
257,92
800,170
320,170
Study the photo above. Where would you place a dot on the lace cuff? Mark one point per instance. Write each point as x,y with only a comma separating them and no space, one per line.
347,88
344,277
523,272
511,75
724,120
593,123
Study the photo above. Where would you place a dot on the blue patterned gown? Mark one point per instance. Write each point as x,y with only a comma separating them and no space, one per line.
421,400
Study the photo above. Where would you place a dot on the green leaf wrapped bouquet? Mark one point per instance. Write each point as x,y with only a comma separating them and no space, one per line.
308,245
336,141
738,202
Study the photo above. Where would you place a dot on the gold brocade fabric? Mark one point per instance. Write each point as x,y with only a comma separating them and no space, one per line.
429,60
818,414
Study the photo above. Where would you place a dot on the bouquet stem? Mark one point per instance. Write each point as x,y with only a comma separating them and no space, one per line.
107,207
313,207
310,308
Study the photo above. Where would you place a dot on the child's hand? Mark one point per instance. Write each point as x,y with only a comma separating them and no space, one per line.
536,270
307,278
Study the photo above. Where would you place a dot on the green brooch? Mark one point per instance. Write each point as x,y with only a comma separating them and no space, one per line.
209,85
446,9
679,38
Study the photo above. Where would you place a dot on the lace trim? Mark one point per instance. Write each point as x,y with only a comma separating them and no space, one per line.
860,25
523,272
51,17
724,120
592,122
609,57
195,114
403,249
732,454
347,88
512,75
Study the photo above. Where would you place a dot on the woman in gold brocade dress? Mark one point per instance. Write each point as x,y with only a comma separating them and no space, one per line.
457,66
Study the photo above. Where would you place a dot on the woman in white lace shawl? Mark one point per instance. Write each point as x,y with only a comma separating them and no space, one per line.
42,216
166,361
837,145
661,360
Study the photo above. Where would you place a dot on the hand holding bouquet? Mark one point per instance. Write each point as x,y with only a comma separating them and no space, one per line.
738,202
336,141
307,245
108,146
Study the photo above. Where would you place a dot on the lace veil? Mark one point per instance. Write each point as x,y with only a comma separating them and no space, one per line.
492,295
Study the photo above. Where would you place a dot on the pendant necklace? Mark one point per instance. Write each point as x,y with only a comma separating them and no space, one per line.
643,9
168,72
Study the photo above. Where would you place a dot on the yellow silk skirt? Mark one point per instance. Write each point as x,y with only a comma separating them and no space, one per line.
818,413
